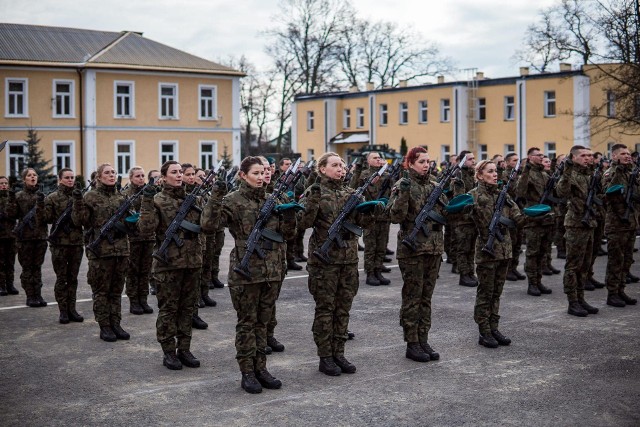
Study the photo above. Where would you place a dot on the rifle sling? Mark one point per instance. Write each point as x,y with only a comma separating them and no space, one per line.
272,235
352,228
507,222
436,217
189,226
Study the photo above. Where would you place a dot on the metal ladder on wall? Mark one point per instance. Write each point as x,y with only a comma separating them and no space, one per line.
471,75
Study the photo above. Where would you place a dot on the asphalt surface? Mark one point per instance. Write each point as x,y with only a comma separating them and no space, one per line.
560,370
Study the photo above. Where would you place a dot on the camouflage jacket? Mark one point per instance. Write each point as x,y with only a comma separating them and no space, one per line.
574,187
135,235
403,208
484,201
321,213
54,205
25,200
156,214
93,211
7,213
371,193
530,188
619,174
461,185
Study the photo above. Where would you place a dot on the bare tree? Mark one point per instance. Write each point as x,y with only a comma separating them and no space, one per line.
540,49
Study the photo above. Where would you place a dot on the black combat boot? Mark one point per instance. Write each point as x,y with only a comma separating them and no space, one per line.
546,271
275,345
188,359
588,286
291,265
433,355
468,281
300,257
562,254
217,283
575,309
543,289
511,276
602,251
328,367
596,284
268,350
198,323
554,270
388,251
633,278
627,299
41,301
145,306
200,303
106,334
33,302
267,380
208,301
74,316
3,291
350,335
250,383
384,269
383,280
121,334
502,340
171,361
614,300
519,275
344,365
372,279
64,316
415,352
488,341
454,268
387,259
152,289
135,307
588,307
12,289
209,284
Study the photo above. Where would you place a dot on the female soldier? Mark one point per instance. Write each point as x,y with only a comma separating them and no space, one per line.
32,241
108,265
7,241
253,297
333,285
177,280
419,268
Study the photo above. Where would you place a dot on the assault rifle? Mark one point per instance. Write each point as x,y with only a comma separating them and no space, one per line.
258,232
630,198
303,171
498,219
28,220
594,188
340,224
392,177
108,229
62,223
547,196
428,213
352,167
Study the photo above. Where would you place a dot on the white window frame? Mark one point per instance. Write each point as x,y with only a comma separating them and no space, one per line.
444,152
548,101
175,97
509,108
403,110
483,151
310,121
131,97
359,117
176,150
445,110
508,148
549,151
423,107
384,114
9,156
214,102
25,96
346,118
481,107
72,154
214,153
611,104
72,98
132,156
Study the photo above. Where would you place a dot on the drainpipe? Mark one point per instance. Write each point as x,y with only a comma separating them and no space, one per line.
80,72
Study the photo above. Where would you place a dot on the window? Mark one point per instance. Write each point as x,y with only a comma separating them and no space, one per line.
124,106
16,98
208,102
444,152
310,121
168,151
63,154
423,112
124,157
550,103
404,113
168,101
509,148
360,117
17,157
481,109
509,111
63,97
483,151
611,104
445,110
550,149
346,118
384,115
208,154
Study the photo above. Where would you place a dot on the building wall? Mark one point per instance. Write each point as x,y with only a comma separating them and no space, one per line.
311,139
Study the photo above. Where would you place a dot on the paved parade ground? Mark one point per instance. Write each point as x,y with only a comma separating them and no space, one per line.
560,369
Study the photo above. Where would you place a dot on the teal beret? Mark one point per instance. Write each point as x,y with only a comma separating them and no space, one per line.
459,202
536,210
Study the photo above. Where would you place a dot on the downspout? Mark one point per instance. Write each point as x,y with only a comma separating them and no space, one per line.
80,71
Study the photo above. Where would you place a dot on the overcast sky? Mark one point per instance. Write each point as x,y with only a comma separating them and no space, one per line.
482,34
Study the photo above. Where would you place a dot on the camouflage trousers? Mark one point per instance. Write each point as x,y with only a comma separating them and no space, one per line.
538,243
106,277
449,244
254,306
598,233
66,262
273,321
333,288
31,257
177,292
139,270
419,276
576,269
207,260
559,235
375,245
299,243
516,247
491,276
466,243
215,255
620,248
7,261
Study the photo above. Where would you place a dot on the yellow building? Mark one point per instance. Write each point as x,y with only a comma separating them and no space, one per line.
112,97
487,116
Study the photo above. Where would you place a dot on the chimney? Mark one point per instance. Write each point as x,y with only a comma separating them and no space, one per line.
479,75
353,89
564,66
403,83
440,79
369,86
524,71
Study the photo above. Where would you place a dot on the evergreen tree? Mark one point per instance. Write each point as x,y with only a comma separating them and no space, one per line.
403,146
35,159
226,158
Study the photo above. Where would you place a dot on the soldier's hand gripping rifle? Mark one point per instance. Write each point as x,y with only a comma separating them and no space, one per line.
498,219
29,219
351,170
340,224
62,223
391,178
547,196
108,228
428,213
630,197
592,198
258,232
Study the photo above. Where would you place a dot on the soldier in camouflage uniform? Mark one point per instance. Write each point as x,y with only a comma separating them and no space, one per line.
419,268
32,243
449,234
141,247
107,267
177,280
7,241
559,210
157,185
214,245
253,298
66,247
511,160
621,233
333,286
492,270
